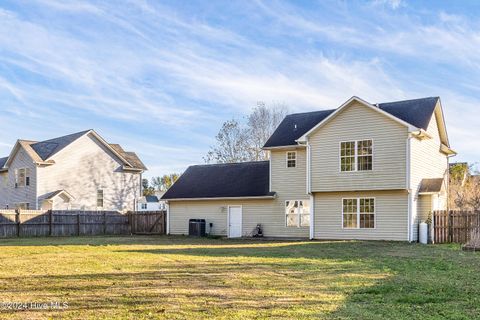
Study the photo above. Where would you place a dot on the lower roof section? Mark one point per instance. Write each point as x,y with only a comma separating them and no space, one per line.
223,181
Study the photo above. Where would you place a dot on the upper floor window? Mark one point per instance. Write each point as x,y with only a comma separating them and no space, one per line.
22,177
356,155
291,159
358,213
100,198
297,213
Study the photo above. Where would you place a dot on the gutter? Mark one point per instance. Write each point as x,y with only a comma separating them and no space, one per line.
224,198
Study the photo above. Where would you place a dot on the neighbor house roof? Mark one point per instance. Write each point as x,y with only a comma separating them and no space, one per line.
231,180
131,157
2,161
46,149
431,185
417,112
148,199
55,193
41,151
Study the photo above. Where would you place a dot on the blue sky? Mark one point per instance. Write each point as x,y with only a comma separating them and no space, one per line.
160,77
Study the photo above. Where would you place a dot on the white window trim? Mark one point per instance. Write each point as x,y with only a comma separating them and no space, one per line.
355,156
286,159
358,213
299,226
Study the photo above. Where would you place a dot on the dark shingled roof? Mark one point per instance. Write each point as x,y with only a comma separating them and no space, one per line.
417,112
2,161
48,148
151,198
287,133
247,179
431,185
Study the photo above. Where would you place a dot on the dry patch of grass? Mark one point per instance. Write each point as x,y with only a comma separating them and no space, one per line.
183,278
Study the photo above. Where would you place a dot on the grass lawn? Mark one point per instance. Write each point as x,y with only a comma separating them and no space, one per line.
178,278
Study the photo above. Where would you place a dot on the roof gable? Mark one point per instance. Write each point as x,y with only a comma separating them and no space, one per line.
230,180
46,149
42,151
415,114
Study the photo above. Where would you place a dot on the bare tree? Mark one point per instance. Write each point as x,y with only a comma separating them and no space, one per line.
231,145
464,188
239,143
261,124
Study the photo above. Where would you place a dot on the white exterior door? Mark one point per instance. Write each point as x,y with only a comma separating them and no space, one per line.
234,222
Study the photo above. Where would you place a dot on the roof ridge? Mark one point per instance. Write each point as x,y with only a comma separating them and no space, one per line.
297,113
67,135
408,100
228,164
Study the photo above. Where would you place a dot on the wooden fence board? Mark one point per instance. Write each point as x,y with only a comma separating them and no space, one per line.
455,226
33,223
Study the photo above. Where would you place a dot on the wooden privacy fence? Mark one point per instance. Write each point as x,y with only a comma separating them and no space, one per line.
454,226
148,222
31,223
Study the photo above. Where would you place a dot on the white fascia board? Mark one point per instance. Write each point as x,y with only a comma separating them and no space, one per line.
346,104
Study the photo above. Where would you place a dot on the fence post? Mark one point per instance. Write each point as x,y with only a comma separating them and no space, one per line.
104,222
17,220
450,226
50,220
78,224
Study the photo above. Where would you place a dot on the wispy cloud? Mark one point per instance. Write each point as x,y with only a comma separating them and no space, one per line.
162,78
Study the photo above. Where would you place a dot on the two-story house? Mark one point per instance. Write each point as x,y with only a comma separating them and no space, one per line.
361,171
76,171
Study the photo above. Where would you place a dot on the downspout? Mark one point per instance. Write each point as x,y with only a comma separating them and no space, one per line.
167,205
409,187
309,191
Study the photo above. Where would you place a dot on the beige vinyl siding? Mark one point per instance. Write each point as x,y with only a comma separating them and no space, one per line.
391,209
288,183
264,212
424,205
216,212
358,122
426,162
9,195
81,169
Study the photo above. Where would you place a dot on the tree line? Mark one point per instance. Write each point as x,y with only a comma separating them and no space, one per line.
162,183
464,187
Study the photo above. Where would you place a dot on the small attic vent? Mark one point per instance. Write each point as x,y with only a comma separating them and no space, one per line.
295,127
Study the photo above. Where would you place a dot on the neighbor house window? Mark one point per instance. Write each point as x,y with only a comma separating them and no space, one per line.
291,159
358,213
356,155
100,198
144,206
297,213
22,177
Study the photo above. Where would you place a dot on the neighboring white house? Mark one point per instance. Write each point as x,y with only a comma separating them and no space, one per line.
77,171
152,203
361,171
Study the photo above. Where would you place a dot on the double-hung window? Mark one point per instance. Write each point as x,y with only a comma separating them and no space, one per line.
22,177
291,159
297,213
100,198
356,155
358,213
